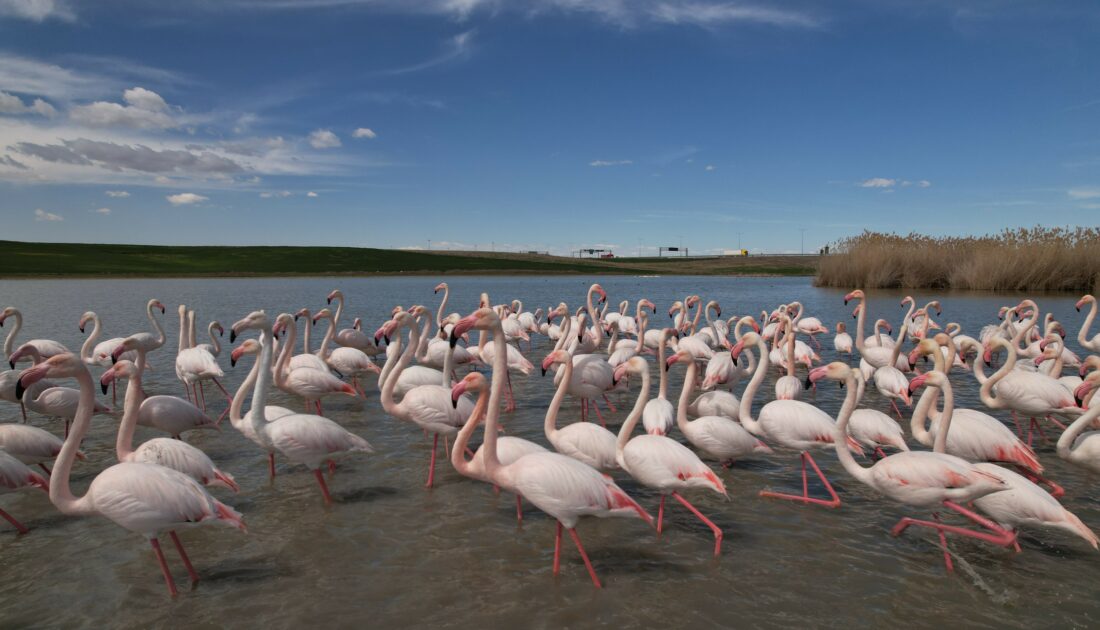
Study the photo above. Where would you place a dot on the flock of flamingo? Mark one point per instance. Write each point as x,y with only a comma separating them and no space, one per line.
977,468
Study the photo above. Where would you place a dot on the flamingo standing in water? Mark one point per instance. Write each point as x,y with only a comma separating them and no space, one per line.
144,341
309,383
561,486
31,445
144,498
1029,393
351,337
54,401
583,441
920,478
792,424
302,438
658,416
94,353
351,362
197,364
1082,335
842,342
509,448
14,476
661,463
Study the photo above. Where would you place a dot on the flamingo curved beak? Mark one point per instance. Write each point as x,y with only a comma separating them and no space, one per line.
918,382
457,391
29,377
620,372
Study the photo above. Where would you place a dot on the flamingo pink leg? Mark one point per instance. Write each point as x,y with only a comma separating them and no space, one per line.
1056,423
164,567
19,527
714,528
598,414
331,467
805,497
660,515
201,387
431,466
896,410
943,545
996,535
271,465
557,550
1016,420
324,487
584,556
519,509
1055,489
191,573
610,407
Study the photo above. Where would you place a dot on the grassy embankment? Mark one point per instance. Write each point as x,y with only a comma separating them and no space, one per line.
18,259
1037,259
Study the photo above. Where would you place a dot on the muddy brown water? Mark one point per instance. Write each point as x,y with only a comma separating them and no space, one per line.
390,553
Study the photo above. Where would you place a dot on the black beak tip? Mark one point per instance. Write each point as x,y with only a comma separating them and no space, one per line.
328,300
104,387
232,362
453,340
544,371
81,329
12,364
1077,400
807,384
114,359
162,310
454,403
295,318
845,302
19,389
232,336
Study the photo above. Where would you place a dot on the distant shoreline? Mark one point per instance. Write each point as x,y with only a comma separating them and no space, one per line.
23,261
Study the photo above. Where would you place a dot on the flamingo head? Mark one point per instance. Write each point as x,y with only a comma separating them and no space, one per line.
385,331
483,318
598,290
644,303
907,300
126,345
854,295
739,347
66,365
473,382
676,307
924,348
283,322
557,357
256,320
835,371
932,378
218,327
1082,390
682,355
85,318
358,323
333,295
155,303
1087,299
25,350
303,312
122,369
322,314
841,327
6,313
249,346
442,286
635,365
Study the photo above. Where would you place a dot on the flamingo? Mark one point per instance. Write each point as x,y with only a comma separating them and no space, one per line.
175,454
54,401
872,428
792,424
99,353
351,337
788,387
309,383
718,437
808,325
890,381
591,376
31,445
583,441
271,412
658,416
307,359
46,347
920,478
14,476
509,448
1025,504
1078,445
351,362
1082,335
144,341
842,342
302,438
195,365
1029,393
561,486
427,406
144,498
661,463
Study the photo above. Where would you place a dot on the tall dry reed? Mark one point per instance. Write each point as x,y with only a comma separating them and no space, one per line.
1036,259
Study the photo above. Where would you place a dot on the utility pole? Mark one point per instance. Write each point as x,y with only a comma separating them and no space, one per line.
803,230
739,242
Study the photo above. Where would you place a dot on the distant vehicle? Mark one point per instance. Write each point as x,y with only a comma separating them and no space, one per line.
607,255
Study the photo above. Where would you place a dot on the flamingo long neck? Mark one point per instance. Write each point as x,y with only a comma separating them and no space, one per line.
9,341
1082,335
695,322
940,446
1059,359
89,343
496,389
256,415
986,392
1074,430
286,349
897,344
442,307
306,331
550,423
448,366
339,309
61,494
745,415
912,309
566,326
406,357
190,329
662,348
790,351
861,316
425,335
182,345
462,440
840,432
323,351
124,443
685,394
391,360
1019,340
627,429
709,321
214,343
236,408
798,316
597,330
614,339
156,326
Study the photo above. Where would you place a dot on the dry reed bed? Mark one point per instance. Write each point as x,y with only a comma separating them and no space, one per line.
1036,259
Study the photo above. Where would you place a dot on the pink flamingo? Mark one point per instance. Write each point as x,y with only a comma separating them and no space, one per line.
561,486
14,476
143,498
46,347
351,337
309,383
349,362
1030,393
302,438
175,454
271,412
658,417
792,424
661,463
144,341
52,402
195,365
509,449
31,445
920,478
583,441
1082,335
94,353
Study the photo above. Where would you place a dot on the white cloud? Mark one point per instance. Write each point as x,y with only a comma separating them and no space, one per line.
12,104
364,132
145,109
42,215
270,195
323,139
1084,193
1090,206
708,14
878,182
457,47
103,211
924,183
37,10
599,163
117,193
185,199
311,194
709,167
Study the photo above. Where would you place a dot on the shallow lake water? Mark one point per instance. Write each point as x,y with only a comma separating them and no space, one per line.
390,553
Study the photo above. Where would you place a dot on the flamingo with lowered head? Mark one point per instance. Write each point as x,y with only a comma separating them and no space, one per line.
351,337
14,476
561,486
144,498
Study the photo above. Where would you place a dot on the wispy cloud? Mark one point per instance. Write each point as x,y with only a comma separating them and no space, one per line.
1087,192
37,10
364,132
878,182
601,163
456,48
117,193
12,104
710,14
185,199
42,215
103,211
324,139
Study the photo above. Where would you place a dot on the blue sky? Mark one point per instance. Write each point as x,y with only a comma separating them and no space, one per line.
546,124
